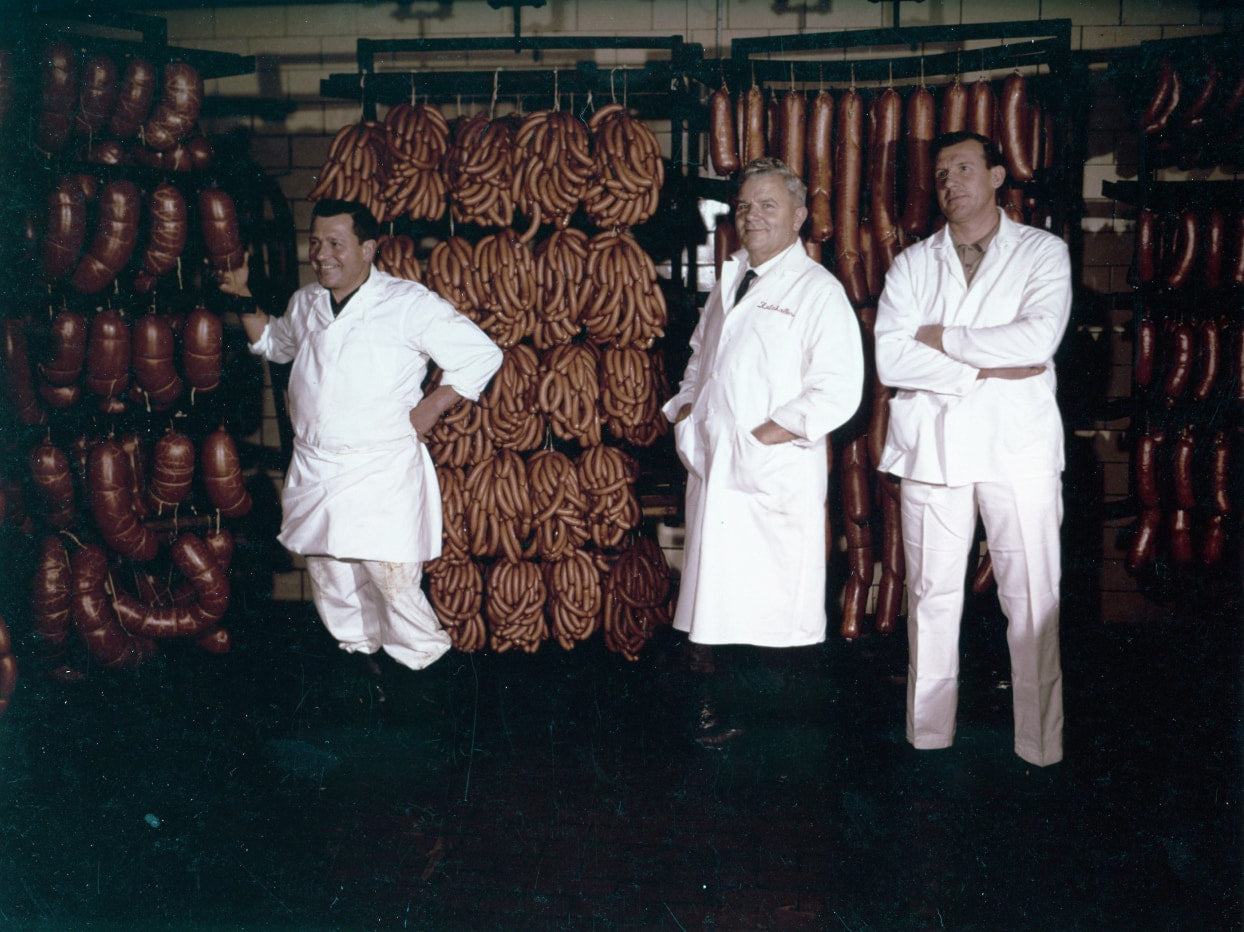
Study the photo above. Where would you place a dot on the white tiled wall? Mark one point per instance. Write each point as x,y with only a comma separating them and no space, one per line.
298,45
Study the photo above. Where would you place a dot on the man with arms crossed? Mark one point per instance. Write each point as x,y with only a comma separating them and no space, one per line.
967,327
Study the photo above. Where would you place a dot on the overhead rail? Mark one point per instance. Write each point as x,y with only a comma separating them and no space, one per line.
647,86
123,34
1019,44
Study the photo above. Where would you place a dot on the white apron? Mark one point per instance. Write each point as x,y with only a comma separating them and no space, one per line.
360,485
372,500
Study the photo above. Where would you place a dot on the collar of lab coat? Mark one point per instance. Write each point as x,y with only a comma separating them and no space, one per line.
944,246
779,265
1007,234
362,296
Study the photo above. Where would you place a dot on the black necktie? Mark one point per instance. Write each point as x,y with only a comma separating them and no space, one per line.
748,277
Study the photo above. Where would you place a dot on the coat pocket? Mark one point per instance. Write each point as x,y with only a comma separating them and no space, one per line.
770,471
1031,421
1032,427
901,427
687,445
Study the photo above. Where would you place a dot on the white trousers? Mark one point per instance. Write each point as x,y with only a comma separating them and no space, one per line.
368,605
1021,521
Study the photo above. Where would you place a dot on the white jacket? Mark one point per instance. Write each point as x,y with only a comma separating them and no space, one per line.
754,559
947,426
360,484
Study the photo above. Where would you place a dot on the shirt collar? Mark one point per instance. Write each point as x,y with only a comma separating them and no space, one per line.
339,306
776,260
1005,231
981,244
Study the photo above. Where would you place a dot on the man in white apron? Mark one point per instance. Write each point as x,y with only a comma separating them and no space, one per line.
776,364
967,328
361,500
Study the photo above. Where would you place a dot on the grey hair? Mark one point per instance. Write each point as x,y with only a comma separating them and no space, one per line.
757,168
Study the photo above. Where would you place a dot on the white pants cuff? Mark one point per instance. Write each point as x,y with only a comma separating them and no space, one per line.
369,605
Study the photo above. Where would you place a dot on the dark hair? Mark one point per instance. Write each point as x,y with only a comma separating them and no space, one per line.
993,156
365,224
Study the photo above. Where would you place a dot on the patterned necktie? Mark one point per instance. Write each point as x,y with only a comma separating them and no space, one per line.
748,277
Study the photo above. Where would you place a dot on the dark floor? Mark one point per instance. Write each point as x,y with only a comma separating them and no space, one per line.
267,789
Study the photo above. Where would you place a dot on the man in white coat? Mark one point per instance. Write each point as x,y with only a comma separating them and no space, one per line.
776,364
361,500
967,327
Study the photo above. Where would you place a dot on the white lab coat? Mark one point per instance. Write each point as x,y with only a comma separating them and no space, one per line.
754,559
360,484
946,426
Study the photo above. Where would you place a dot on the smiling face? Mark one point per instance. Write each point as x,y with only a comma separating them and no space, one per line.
966,186
341,263
766,217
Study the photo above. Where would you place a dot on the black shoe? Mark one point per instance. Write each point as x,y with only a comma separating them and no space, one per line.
711,731
1039,783
763,680
370,672
697,658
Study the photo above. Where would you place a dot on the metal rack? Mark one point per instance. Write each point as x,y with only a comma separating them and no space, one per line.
1023,44
124,35
1027,42
648,88
1147,191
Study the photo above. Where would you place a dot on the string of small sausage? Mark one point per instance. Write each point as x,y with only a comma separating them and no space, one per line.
545,165
418,138
132,551
571,516
533,534
636,598
848,146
